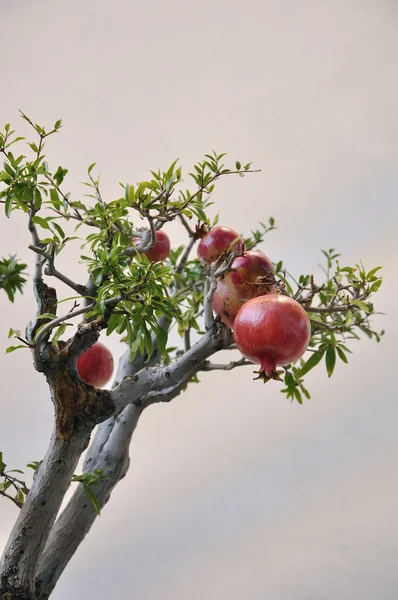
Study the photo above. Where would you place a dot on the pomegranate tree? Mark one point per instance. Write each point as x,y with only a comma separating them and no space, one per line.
95,365
251,275
272,330
139,301
217,241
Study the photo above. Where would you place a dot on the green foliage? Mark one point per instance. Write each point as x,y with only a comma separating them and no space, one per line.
16,490
257,235
88,480
12,487
339,311
12,276
140,300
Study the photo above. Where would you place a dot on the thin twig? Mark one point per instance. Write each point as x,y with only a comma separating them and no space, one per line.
187,339
209,366
50,270
184,258
186,225
16,502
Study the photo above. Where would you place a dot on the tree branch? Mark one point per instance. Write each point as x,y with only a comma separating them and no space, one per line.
330,308
46,298
51,271
209,366
185,256
14,500
216,270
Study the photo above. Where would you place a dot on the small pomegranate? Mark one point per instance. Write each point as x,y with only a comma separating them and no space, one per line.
251,275
161,249
95,365
272,330
217,241
226,304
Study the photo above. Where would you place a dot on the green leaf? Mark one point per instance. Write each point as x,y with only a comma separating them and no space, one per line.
372,272
330,360
161,338
298,396
34,465
58,229
40,221
9,170
13,348
92,498
375,286
38,199
55,199
91,167
361,305
60,331
49,315
20,496
2,464
314,359
13,333
8,205
341,354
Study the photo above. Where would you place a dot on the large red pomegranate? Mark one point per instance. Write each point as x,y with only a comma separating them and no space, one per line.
161,249
251,275
272,330
95,365
217,241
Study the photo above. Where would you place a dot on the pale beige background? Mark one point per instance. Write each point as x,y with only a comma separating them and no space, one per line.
233,492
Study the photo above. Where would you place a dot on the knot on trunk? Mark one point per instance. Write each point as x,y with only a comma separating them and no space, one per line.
75,401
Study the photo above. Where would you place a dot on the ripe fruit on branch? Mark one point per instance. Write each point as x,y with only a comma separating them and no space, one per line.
272,330
95,365
251,275
161,249
226,304
217,241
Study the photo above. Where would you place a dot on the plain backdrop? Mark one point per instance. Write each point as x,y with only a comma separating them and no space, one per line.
233,492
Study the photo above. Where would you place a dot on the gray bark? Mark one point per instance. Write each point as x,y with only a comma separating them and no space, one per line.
39,550
29,534
79,515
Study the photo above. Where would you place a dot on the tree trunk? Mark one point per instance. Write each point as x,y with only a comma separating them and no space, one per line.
36,518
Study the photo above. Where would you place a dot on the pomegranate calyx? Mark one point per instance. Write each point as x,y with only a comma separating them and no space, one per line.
200,231
275,375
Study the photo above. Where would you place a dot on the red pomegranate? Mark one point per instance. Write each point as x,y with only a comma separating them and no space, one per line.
272,330
161,249
225,304
95,365
251,275
217,241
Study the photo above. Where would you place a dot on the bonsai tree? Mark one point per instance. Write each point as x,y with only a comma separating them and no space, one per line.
222,294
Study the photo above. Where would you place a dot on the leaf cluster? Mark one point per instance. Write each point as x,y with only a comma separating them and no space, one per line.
12,276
